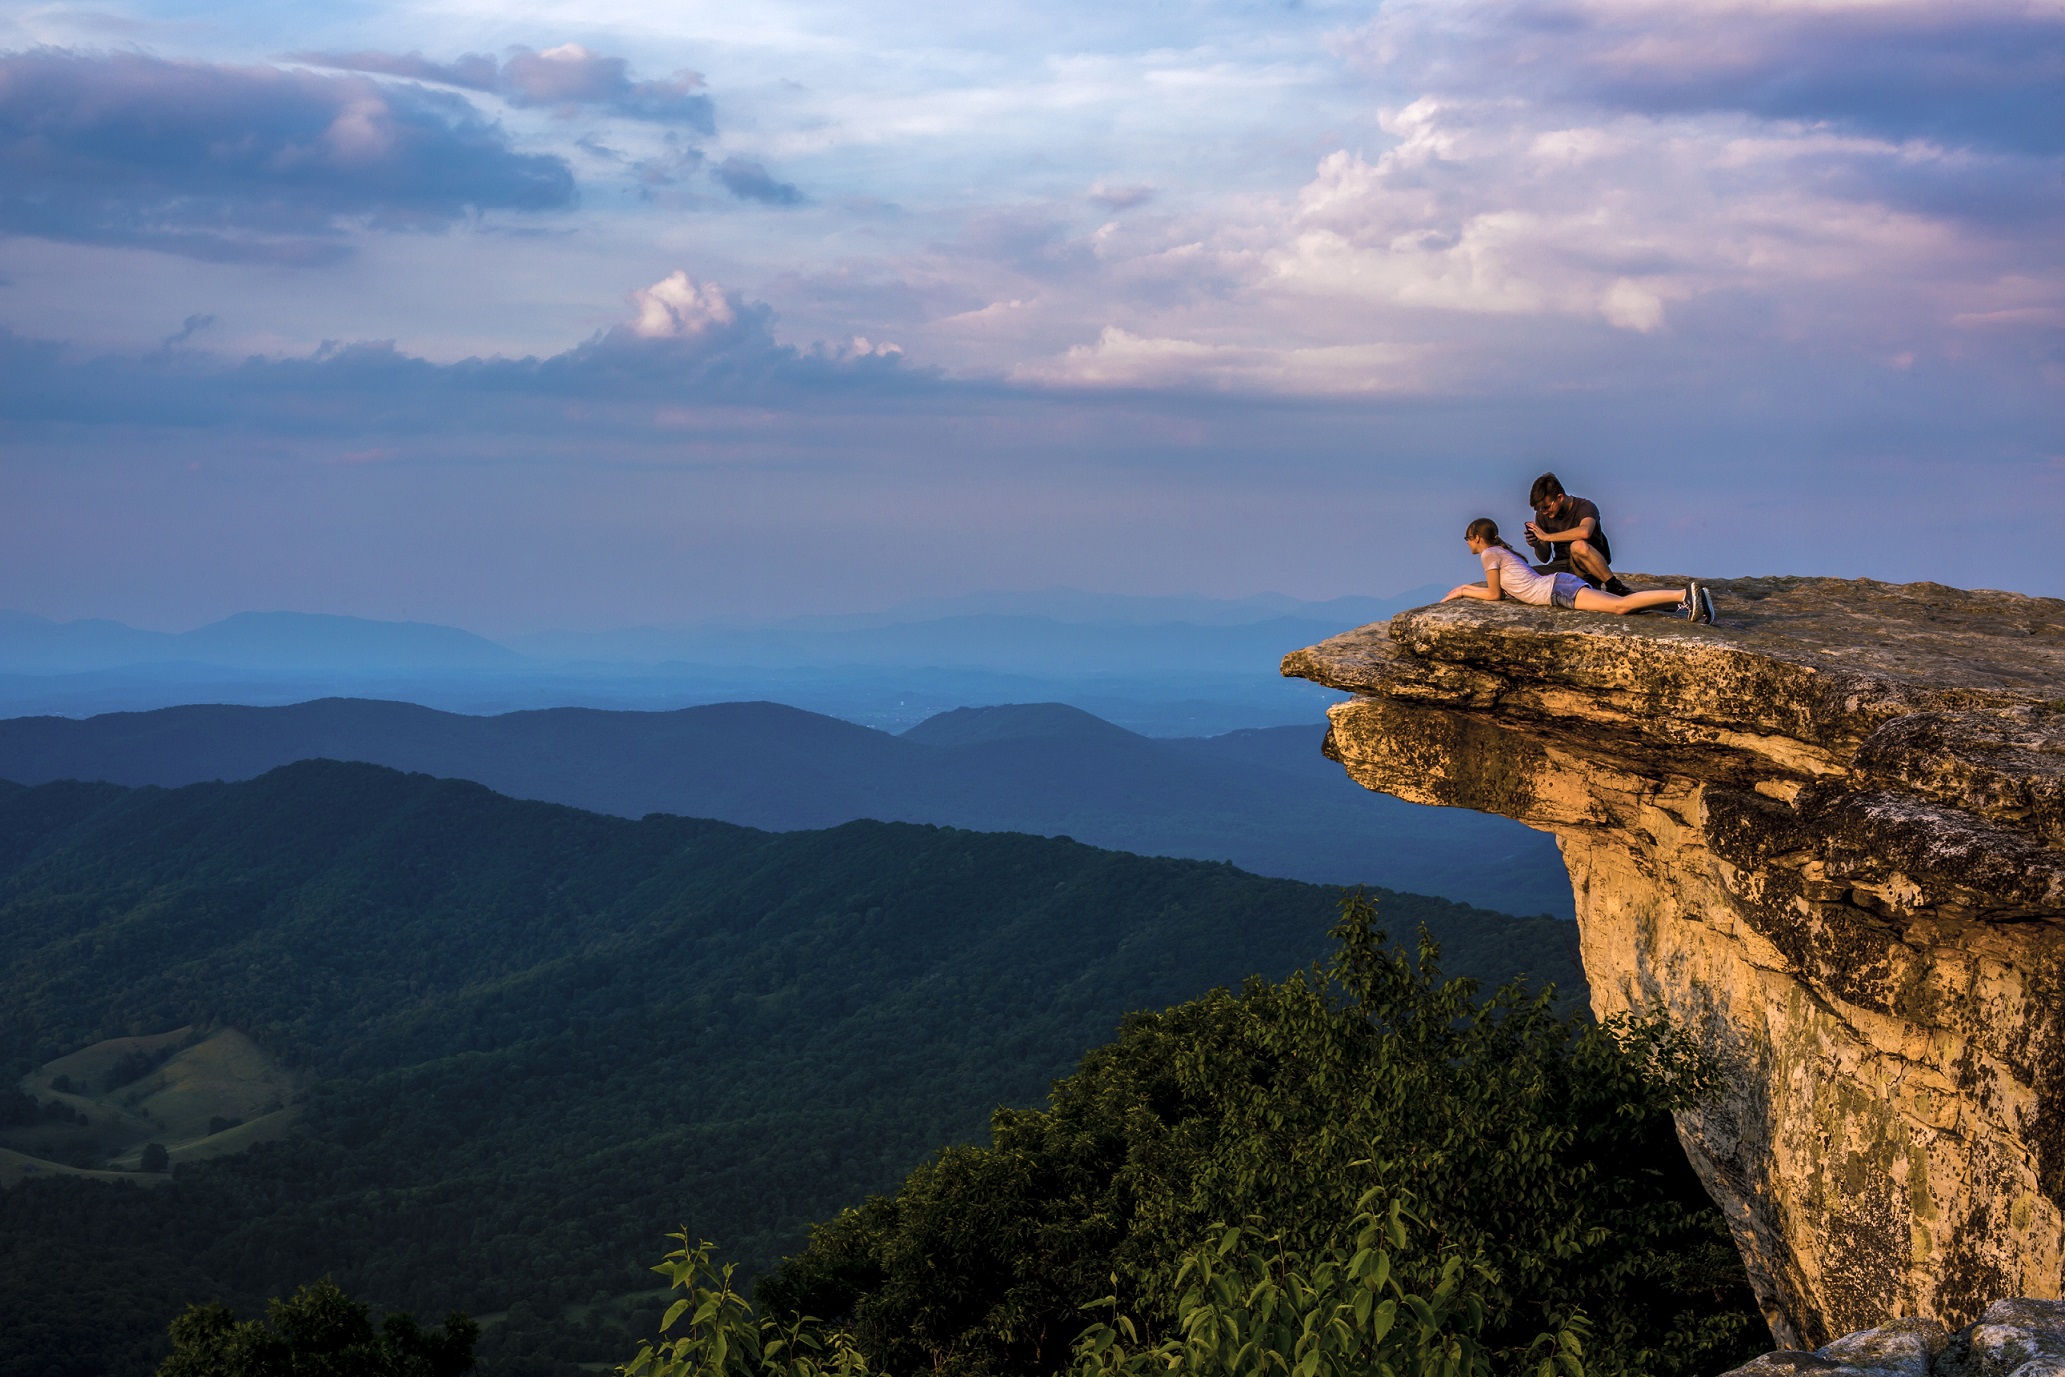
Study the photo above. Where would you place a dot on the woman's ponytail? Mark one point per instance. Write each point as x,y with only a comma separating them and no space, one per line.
1484,528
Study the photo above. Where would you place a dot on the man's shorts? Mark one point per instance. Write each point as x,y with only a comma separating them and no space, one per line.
1568,586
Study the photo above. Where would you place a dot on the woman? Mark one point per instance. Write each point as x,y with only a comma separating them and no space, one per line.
1508,575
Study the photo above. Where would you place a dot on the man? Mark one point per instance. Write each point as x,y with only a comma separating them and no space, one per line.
1566,533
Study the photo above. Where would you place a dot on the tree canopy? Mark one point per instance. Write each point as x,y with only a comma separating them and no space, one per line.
316,1332
1537,1148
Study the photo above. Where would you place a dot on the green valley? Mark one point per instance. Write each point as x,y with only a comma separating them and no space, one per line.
487,1052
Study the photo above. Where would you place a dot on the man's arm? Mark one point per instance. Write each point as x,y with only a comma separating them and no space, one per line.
1585,529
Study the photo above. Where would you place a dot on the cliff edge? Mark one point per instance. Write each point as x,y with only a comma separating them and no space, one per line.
1828,834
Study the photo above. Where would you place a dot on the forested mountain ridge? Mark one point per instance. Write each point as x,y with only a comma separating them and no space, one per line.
1264,799
538,1038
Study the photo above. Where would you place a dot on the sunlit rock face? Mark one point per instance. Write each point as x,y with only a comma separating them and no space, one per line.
1829,835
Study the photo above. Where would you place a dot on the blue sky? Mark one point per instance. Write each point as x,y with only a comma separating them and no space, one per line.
598,314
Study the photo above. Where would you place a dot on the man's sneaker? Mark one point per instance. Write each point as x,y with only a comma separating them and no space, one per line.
1617,588
1703,611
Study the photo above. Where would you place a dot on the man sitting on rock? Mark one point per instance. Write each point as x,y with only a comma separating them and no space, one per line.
1566,533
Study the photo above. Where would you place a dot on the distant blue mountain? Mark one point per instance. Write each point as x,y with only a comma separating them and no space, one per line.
890,697
302,640
1015,722
1264,799
37,645
264,641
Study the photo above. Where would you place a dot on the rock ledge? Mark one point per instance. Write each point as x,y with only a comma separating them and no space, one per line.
1828,834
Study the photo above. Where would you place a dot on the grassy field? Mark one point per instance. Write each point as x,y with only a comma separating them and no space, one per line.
196,1095
16,1167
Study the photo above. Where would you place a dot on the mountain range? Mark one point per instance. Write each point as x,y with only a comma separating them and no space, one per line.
1265,799
1166,666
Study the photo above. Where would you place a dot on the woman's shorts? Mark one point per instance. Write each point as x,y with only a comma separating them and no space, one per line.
1564,594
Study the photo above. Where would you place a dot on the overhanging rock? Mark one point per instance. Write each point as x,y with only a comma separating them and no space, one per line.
1828,834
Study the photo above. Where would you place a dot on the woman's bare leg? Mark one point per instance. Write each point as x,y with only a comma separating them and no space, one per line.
1592,600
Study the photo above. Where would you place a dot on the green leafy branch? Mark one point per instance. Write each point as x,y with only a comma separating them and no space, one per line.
1250,1306
724,1338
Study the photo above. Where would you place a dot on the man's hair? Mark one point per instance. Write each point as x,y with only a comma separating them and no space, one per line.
1545,488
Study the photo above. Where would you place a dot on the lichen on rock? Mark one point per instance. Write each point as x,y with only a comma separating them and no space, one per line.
1827,834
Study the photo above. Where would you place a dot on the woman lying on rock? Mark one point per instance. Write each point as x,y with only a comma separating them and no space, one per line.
1508,575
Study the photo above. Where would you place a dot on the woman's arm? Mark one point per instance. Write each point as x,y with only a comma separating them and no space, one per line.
1487,591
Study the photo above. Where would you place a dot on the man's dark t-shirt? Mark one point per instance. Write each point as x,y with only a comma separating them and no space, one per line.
1580,508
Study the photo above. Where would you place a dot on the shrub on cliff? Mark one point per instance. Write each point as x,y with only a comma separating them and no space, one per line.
1539,1151
1248,1306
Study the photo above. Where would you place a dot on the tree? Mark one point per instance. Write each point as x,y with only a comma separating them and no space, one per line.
17,1108
155,1158
317,1332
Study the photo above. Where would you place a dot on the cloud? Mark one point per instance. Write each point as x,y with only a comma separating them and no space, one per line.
686,341
473,71
243,163
1554,183
188,328
571,75
746,179
1474,212
1551,182
667,168
1119,196
566,78
1624,156
679,307
1479,209
1124,360
1978,74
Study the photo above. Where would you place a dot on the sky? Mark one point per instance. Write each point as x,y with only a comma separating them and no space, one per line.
551,315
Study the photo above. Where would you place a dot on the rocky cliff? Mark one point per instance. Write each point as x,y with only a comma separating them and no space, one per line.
1827,833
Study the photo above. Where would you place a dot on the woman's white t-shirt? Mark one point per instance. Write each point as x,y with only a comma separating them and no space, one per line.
1517,579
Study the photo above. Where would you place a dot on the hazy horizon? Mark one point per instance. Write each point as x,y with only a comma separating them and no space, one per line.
1047,602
